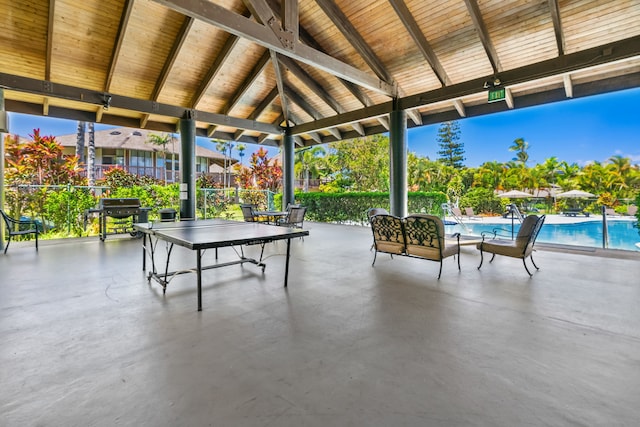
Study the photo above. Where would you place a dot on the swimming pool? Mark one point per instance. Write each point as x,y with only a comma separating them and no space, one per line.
623,234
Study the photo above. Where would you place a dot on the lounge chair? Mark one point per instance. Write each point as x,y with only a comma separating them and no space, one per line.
416,236
456,212
521,247
19,227
469,212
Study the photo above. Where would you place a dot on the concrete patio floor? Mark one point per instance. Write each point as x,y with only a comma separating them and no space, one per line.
86,341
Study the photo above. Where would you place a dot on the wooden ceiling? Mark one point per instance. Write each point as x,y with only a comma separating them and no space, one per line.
331,69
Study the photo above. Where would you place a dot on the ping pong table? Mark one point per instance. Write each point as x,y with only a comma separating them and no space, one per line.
201,235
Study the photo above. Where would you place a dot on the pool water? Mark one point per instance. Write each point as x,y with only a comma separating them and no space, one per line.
622,234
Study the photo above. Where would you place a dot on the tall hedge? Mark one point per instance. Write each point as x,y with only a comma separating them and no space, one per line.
352,207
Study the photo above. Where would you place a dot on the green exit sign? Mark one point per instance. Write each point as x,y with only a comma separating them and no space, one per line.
496,94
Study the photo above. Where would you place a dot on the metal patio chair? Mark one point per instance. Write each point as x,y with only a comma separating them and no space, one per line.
19,227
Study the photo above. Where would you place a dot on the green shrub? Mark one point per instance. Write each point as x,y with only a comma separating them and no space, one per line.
352,207
484,201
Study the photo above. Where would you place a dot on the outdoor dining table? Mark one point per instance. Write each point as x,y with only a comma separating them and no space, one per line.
272,216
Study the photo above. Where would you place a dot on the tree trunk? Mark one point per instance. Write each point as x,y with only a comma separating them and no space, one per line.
80,141
91,169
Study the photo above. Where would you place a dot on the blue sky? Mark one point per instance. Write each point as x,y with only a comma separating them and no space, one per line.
577,131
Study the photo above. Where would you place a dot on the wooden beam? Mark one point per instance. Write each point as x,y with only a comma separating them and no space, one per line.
353,36
261,10
459,106
508,98
568,85
213,71
284,102
97,98
168,65
586,59
302,75
298,99
243,27
420,40
122,28
557,25
257,69
47,66
291,19
358,128
266,101
483,34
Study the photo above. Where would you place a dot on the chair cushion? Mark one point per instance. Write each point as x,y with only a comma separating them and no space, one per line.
502,247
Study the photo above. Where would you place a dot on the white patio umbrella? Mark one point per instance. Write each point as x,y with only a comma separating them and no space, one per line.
575,194
515,194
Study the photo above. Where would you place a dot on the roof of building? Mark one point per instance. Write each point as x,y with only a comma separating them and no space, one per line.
138,139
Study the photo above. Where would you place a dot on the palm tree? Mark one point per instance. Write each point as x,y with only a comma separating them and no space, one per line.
161,141
308,161
91,161
520,146
80,141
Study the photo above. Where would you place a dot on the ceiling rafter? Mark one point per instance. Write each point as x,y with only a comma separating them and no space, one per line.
215,68
355,90
122,28
557,25
282,92
261,10
168,65
258,33
297,99
305,78
459,106
352,35
568,85
291,19
47,65
264,104
483,34
420,40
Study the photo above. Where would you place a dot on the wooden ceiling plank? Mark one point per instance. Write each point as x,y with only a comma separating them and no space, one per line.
483,34
557,25
257,69
343,24
173,55
420,40
214,70
258,33
122,28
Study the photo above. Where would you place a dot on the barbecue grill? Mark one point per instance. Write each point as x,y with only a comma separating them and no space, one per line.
123,212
